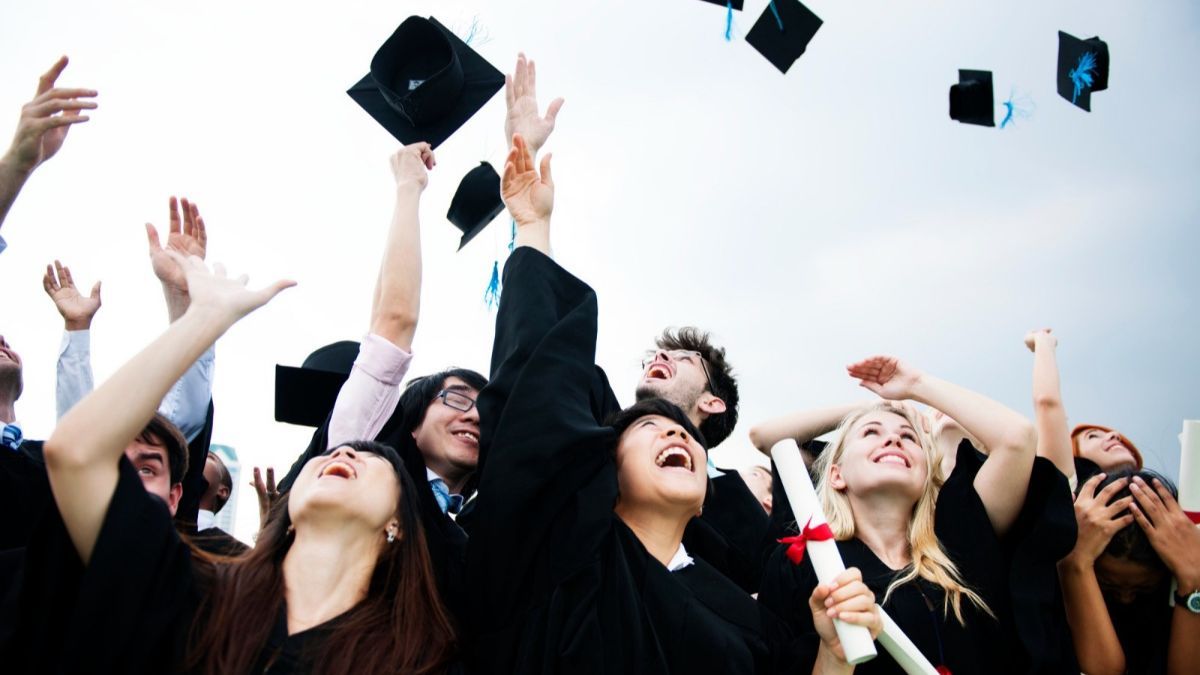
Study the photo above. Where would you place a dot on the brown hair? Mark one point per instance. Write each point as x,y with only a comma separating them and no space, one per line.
162,432
399,627
716,428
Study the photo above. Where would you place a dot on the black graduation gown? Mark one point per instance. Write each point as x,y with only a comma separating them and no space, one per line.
558,583
24,493
729,533
446,541
194,482
966,534
216,541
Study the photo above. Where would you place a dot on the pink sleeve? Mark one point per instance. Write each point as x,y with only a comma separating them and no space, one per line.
370,394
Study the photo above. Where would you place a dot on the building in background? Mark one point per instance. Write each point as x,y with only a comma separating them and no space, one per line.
226,518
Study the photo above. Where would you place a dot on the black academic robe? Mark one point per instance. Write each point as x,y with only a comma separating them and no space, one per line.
194,482
729,533
24,493
216,541
446,541
558,583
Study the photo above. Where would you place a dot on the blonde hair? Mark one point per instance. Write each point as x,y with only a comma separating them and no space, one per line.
929,560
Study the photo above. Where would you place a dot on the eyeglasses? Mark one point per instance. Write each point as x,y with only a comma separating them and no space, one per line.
684,356
456,399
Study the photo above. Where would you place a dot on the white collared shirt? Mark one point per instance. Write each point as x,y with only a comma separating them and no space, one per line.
205,519
680,560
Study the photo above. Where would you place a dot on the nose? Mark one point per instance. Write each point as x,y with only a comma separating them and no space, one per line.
344,451
677,431
472,415
892,439
1125,596
1113,435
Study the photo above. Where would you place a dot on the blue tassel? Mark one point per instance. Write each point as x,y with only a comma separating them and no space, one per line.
1008,114
1081,74
1016,107
477,35
512,238
729,21
775,11
491,297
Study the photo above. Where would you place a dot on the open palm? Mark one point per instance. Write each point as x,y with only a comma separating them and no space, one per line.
528,195
886,376
76,309
187,236
520,93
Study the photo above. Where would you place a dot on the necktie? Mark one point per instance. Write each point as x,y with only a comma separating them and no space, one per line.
449,503
10,436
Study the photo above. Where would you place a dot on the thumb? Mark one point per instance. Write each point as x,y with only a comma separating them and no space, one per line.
545,170
552,111
152,237
268,293
96,291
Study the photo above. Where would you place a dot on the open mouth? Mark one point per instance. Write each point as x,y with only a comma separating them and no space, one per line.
893,458
468,436
658,371
339,470
674,457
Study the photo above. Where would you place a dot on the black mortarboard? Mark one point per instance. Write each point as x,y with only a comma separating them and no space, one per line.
971,100
476,202
306,395
814,447
1082,68
783,32
736,4
425,83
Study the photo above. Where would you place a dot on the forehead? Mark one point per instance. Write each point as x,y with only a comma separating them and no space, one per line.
1127,572
140,449
457,384
886,418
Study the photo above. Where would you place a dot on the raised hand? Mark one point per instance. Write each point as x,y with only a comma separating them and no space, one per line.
410,164
214,293
846,598
1171,533
77,310
1097,519
528,195
886,376
267,494
520,93
187,236
46,119
1040,337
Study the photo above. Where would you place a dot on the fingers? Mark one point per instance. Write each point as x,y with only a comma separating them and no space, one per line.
257,483
552,111
269,293
523,159
48,281
1088,491
531,79
870,368
1111,489
509,95
201,234
53,106
545,170
1168,500
1109,512
175,226
270,479
47,80
189,217
1141,518
45,124
1147,501
64,275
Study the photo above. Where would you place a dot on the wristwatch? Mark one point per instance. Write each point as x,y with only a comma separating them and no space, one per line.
1190,602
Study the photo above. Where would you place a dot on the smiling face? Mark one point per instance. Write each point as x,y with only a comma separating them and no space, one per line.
660,466
677,376
359,488
448,437
881,451
1105,448
760,482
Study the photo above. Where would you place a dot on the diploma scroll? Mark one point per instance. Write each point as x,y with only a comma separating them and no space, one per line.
902,649
1189,469
826,560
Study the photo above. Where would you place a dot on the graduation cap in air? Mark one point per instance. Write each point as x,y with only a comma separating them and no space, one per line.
425,82
476,203
971,100
1082,69
306,395
783,32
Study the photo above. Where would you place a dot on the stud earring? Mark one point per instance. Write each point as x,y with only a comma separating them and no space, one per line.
391,536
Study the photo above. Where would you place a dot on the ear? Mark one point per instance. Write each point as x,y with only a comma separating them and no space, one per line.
710,405
173,498
835,478
223,493
768,502
393,527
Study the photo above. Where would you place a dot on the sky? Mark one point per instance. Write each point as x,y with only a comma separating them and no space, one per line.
808,220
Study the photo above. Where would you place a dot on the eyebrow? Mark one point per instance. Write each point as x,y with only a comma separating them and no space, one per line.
149,457
879,424
459,388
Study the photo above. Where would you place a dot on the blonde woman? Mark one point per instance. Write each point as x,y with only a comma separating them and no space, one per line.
942,579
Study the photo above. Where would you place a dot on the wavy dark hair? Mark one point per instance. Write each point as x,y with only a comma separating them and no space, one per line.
399,627
623,419
1130,542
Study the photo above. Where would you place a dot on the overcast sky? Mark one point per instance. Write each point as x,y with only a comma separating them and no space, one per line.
808,219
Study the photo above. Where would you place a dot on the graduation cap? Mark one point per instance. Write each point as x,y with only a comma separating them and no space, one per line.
733,4
425,83
1082,69
971,100
476,202
306,395
783,31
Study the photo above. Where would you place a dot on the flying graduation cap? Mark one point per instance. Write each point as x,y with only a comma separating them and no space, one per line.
1082,69
476,203
425,82
306,395
971,100
783,32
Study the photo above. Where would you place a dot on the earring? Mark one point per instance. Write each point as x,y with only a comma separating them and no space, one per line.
700,512
391,536
291,530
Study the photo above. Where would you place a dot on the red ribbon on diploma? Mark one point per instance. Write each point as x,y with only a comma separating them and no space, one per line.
797,543
1193,516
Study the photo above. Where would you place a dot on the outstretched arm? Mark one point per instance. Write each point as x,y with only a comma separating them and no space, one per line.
802,426
74,371
1054,439
41,131
1009,437
528,195
82,453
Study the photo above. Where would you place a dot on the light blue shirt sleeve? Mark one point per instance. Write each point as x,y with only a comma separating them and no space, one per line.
74,371
186,404
3,244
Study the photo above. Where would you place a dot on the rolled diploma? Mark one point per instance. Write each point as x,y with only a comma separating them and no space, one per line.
902,649
826,560
1189,469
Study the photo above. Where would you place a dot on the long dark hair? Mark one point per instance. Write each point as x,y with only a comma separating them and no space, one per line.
399,627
